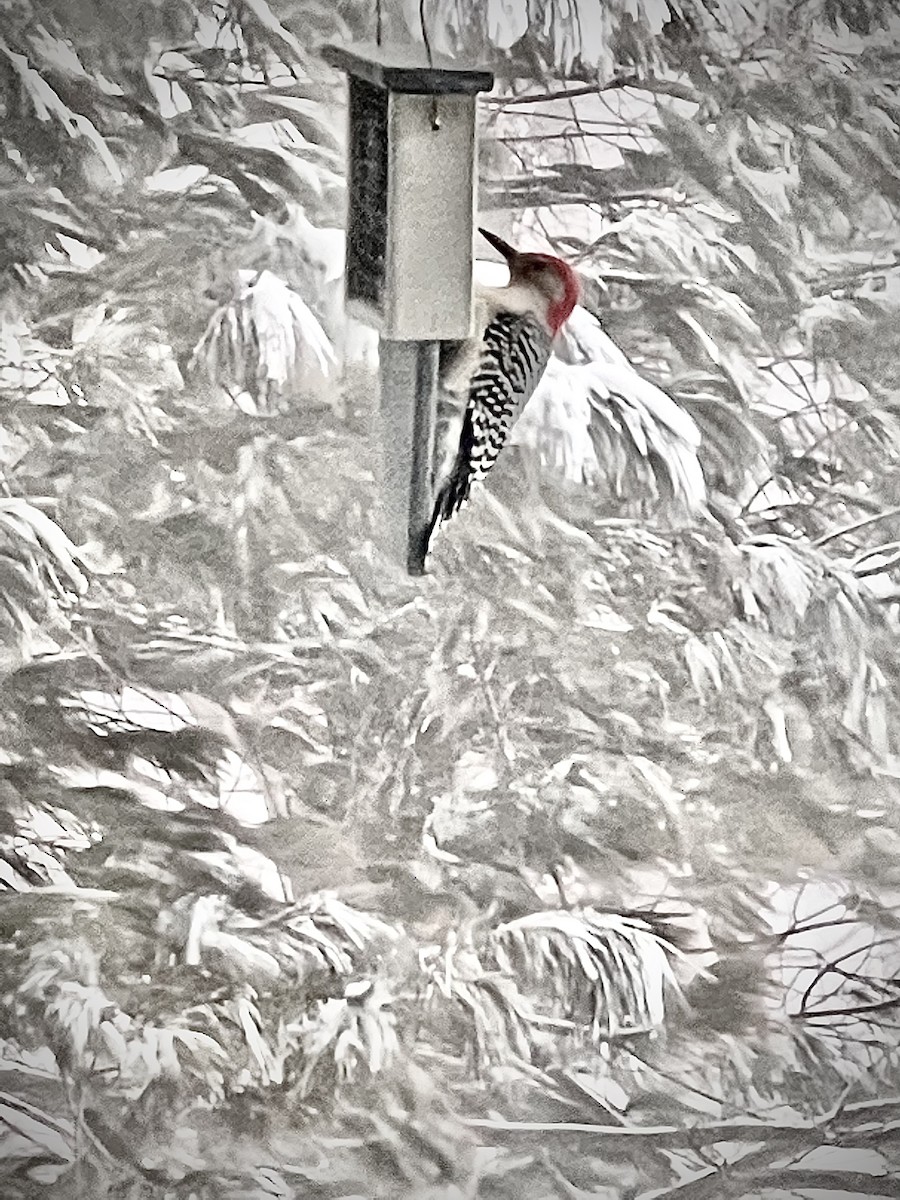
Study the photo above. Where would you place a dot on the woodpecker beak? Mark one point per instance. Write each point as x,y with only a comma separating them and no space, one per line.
498,243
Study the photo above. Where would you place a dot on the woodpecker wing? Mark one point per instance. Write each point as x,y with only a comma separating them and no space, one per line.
507,368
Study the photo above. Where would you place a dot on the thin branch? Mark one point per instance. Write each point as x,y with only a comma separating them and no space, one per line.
862,523
856,1010
807,927
662,1135
814,1132
880,1110
666,87
594,89
721,1183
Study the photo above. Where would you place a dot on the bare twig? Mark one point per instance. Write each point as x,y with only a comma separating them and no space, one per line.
862,523
617,81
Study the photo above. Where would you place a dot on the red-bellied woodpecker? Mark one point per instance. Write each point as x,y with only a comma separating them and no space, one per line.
495,372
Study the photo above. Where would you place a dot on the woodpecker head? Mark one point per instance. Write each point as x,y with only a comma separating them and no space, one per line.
553,279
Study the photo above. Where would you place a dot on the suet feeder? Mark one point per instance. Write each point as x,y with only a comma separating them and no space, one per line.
411,183
408,271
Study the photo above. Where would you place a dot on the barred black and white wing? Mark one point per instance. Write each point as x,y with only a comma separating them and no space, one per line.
509,364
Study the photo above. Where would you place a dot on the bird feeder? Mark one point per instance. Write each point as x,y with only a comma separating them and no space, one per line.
408,270
411,177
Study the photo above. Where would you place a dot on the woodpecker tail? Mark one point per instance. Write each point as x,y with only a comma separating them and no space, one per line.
457,483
